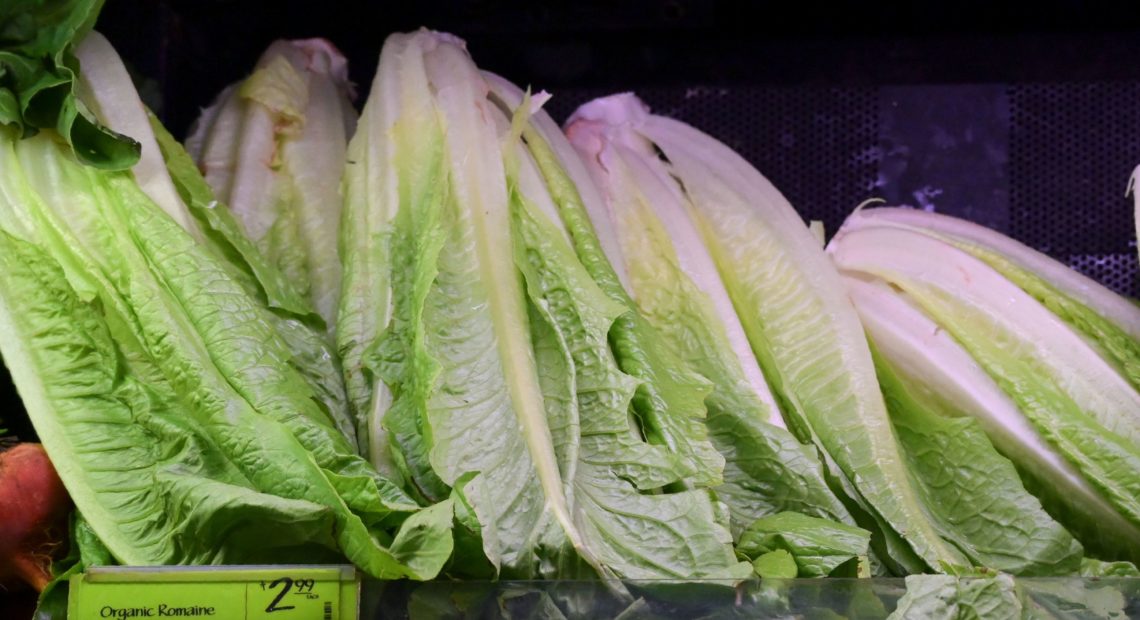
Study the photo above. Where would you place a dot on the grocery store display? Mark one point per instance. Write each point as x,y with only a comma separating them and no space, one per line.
447,339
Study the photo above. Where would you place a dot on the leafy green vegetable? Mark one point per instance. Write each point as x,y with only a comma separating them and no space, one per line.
635,533
169,177
1106,319
802,331
67,417
164,389
222,233
1079,598
37,79
1000,596
365,309
1097,568
673,279
106,89
200,491
1050,402
669,401
291,314
778,564
481,365
273,150
820,547
974,495
603,363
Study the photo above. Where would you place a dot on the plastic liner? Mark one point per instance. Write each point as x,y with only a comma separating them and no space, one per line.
925,596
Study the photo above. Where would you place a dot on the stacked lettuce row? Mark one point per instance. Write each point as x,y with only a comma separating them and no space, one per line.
729,347
709,242
447,338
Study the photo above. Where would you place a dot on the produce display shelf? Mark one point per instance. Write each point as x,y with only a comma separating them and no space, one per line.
338,592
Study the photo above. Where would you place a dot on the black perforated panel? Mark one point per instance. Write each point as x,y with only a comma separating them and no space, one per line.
1115,270
1072,149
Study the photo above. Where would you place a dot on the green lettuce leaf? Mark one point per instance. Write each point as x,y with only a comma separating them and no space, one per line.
948,381
1107,599
38,71
169,177
778,564
820,367
945,597
1001,596
292,315
1112,340
1108,320
84,403
819,547
974,495
365,310
1098,568
639,535
802,331
222,233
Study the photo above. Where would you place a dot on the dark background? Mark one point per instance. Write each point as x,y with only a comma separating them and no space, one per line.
1023,119
196,46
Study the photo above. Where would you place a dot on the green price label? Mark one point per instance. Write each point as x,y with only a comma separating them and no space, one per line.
216,593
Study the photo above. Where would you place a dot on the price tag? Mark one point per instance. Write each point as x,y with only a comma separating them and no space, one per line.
216,593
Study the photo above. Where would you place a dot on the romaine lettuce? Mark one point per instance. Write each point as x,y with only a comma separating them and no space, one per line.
675,286
477,344
273,150
971,339
163,387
